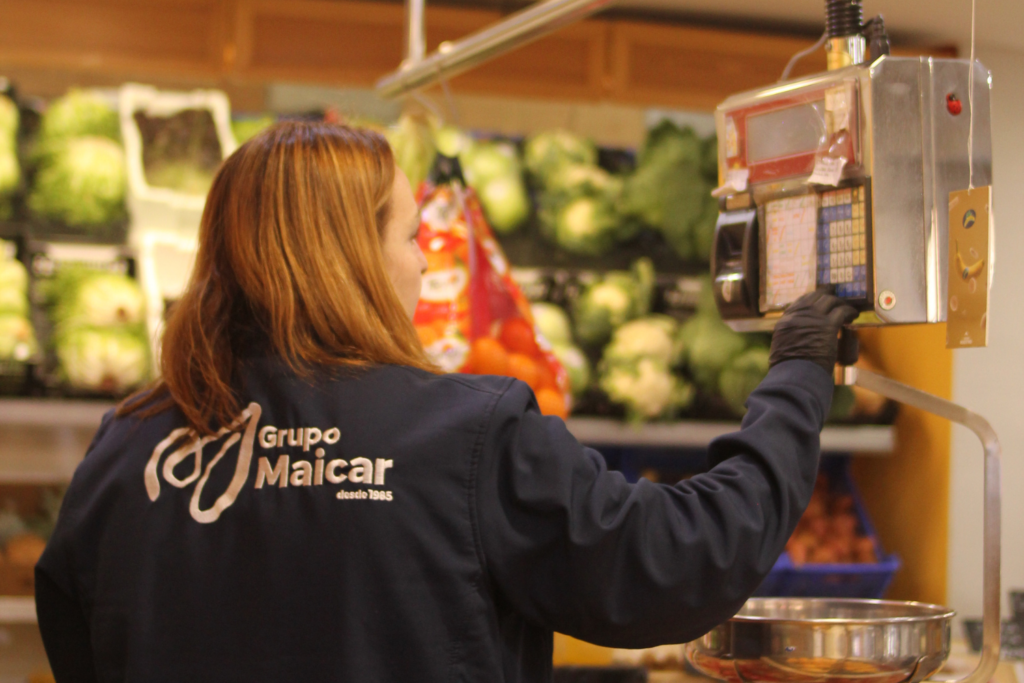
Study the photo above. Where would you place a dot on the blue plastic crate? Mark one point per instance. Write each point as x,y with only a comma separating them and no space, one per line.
834,580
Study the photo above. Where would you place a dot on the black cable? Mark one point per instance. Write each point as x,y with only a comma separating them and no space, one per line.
877,38
843,18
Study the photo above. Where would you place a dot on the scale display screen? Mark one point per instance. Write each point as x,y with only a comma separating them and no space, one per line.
785,132
790,250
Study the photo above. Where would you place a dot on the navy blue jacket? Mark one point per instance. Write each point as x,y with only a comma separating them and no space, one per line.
401,526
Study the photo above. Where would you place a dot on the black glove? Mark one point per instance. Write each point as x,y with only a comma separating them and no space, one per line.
809,330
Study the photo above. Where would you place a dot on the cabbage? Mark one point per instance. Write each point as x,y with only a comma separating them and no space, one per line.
586,226
451,141
99,331
576,179
669,190
636,369
552,322
79,113
8,121
646,388
84,183
107,360
13,287
546,152
17,338
708,346
578,209
576,365
741,376
483,162
505,202
650,337
412,141
244,129
603,307
612,301
684,208
494,171
96,298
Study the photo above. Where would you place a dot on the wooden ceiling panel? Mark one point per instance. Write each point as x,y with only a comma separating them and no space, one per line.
166,35
311,40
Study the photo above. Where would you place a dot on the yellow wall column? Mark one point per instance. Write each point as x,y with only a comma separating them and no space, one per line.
907,493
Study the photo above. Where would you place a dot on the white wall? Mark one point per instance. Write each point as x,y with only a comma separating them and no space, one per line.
991,381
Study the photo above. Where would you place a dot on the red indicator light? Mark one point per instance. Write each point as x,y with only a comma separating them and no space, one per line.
953,104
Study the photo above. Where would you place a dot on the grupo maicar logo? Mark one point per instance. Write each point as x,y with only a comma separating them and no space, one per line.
295,471
969,218
188,444
288,469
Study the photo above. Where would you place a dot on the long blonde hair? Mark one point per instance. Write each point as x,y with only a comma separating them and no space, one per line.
289,251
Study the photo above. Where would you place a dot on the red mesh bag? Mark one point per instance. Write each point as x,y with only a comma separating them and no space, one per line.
472,317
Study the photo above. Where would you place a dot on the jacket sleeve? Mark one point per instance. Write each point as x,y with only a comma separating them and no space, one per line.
577,549
62,621
65,633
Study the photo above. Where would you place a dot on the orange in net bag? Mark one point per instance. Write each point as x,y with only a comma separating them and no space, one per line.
472,317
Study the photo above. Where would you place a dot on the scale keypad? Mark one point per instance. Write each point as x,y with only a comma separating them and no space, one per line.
842,242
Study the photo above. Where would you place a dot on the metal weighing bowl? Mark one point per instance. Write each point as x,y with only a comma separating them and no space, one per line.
811,640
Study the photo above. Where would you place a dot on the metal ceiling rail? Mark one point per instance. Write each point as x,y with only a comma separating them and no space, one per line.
415,32
453,58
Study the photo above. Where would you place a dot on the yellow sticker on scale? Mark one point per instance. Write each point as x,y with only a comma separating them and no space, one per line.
970,220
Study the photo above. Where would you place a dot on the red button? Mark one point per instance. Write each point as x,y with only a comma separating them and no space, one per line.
953,104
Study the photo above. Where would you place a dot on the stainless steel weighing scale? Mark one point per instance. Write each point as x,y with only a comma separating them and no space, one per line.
841,181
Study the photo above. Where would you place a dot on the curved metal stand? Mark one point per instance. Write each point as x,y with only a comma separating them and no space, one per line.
903,393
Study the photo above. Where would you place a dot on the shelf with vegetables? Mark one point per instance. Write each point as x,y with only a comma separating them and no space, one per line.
65,171
556,200
78,328
638,345
72,330
42,440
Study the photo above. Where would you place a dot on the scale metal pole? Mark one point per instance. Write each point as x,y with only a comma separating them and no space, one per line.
991,555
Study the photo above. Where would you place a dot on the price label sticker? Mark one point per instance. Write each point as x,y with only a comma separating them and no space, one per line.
732,143
737,177
837,103
827,171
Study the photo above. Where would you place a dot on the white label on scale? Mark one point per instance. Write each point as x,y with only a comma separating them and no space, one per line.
732,141
737,177
791,245
837,102
827,171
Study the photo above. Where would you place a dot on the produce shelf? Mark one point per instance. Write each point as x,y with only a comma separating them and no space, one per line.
19,609
43,440
36,412
875,440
